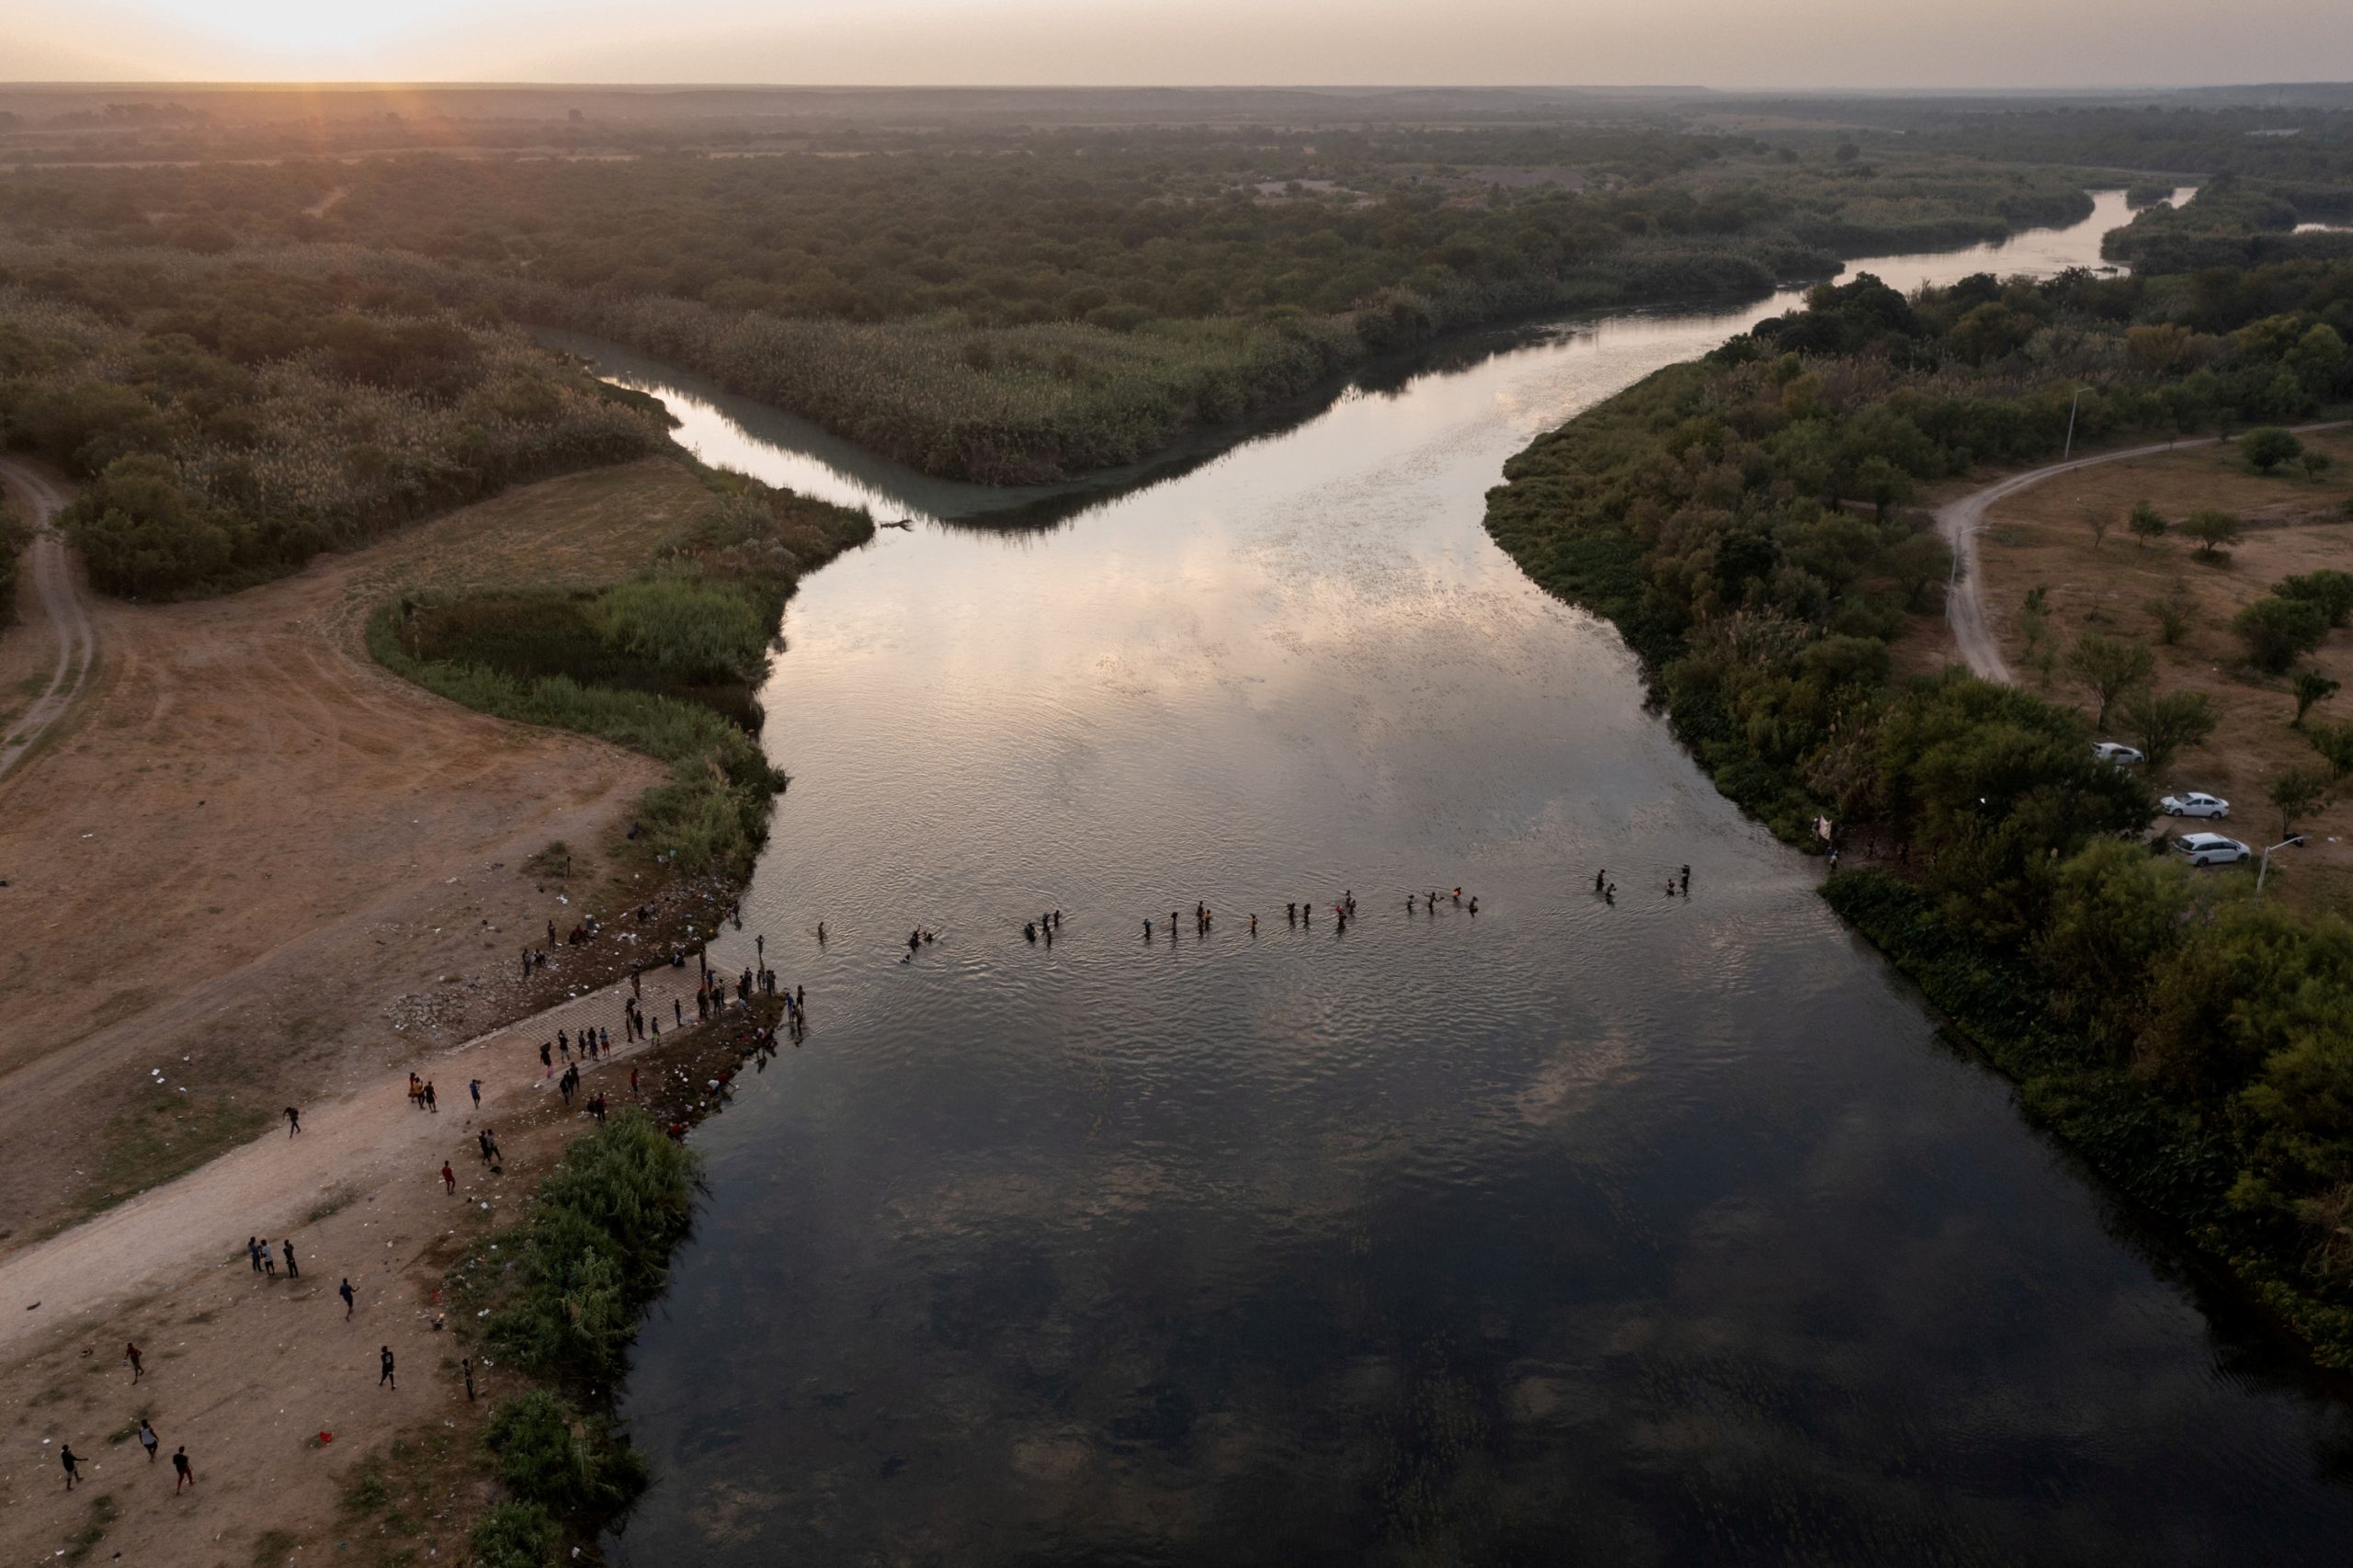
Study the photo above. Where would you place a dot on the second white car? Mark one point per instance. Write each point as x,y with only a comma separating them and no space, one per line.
2195,803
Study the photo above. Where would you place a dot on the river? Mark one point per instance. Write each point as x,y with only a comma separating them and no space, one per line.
1660,1231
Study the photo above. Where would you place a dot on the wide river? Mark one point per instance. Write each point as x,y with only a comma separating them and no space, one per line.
1664,1231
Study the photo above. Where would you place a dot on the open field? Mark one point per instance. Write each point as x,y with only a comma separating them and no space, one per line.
260,863
2042,536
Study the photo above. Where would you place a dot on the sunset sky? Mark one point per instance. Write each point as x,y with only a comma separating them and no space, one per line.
1726,43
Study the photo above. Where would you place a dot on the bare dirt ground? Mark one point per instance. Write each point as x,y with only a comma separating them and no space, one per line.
254,870
2041,535
275,1389
253,859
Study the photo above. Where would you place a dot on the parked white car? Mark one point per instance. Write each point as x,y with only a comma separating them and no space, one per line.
2116,752
2210,849
2196,803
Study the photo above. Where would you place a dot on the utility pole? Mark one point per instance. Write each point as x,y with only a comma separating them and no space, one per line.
2071,425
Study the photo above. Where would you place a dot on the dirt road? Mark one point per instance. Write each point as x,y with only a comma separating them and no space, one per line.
1962,520
56,584
358,1143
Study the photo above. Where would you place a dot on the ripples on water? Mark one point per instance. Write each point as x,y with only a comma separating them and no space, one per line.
1660,1231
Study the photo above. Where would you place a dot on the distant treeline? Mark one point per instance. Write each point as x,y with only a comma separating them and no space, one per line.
1011,306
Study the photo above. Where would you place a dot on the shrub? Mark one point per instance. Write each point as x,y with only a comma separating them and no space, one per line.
2330,591
550,1454
596,1249
2278,631
2146,522
700,630
2214,529
2268,447
516,1535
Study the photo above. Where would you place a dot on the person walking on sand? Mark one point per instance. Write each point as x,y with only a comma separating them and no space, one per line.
346,1293
268,1261
291,1271
294,1122
183,1474
148,1440
473,1087
135,1359
430,1103
448,1178
384,1356
253,1252
1601,878
73,1466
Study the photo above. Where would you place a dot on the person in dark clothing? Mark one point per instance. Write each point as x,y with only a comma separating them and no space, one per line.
136,1359
292,1271
73,1466
346,1293
253,1252
183,1474
386,1375
294,1122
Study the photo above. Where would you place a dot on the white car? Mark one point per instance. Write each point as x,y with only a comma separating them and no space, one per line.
2116,752
2210,849
2196,803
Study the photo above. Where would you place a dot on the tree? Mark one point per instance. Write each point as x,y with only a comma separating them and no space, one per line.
2269,446
2108,667
2146,522
2310,686
1915,561
2315,463
2163,723
2099,519
2295,792
2214,529
1882,484
2116,917
2172,611
2330,592
2278,631
2334,744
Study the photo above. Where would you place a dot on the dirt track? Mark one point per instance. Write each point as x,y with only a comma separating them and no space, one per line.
1960,520
55,578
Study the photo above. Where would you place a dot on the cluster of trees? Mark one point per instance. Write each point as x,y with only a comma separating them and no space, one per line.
1742,520
231,422
1015,306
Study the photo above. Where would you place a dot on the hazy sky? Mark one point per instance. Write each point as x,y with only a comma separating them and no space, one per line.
1729,43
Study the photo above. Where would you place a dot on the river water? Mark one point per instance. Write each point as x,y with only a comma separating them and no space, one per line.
1655,1232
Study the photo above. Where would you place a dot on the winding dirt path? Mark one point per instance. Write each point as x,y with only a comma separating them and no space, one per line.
1962,519
50,565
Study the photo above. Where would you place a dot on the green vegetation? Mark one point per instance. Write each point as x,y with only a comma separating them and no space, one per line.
235,420
1011,305
666,664
1733,517
594,1252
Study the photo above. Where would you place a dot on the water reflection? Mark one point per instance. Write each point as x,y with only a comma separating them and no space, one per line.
1654,1231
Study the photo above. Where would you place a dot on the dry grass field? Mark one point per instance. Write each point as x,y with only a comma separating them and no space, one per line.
2044,536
